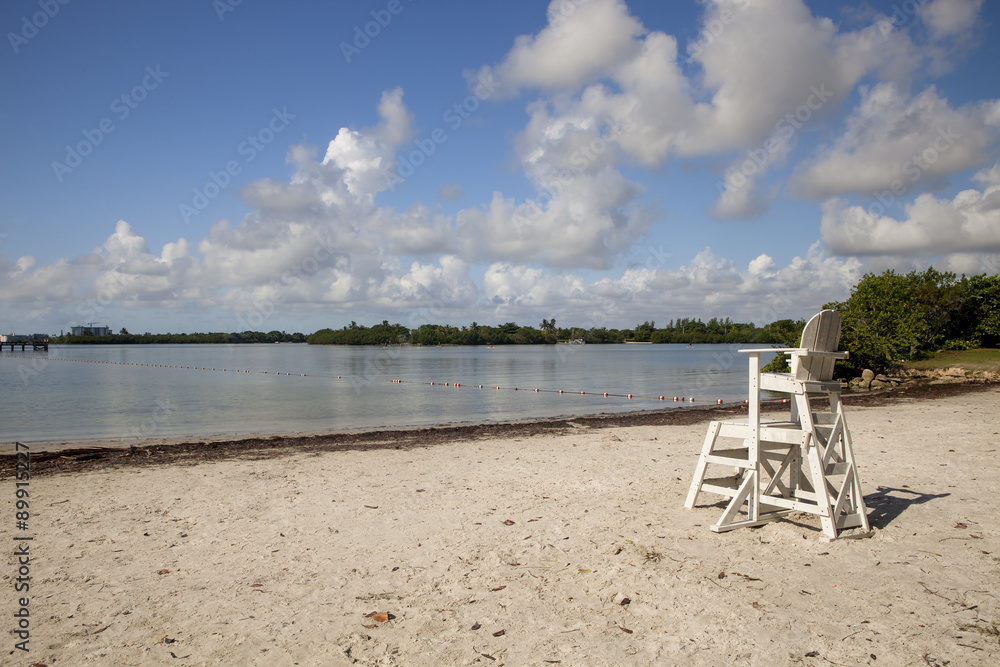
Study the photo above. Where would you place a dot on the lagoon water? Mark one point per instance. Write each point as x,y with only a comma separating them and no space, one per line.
121,392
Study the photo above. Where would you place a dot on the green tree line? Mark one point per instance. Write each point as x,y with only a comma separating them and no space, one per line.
782,332
356,334
126,338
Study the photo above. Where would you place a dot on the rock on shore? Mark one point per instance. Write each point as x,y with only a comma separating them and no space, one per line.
869,380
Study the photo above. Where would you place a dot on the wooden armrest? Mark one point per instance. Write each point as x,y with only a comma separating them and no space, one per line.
801,351
835,355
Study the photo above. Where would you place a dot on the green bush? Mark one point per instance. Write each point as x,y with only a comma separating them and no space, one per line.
891,318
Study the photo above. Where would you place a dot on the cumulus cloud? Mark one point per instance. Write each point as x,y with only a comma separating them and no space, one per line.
311,277
738,194
968,223
954,27
758,77
989,176
314,241
761,74
587,222
762,61
319,240
365,156
583,39
585,212
708,285
950,18
893,143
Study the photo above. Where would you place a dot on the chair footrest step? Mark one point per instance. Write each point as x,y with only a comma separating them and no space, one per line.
730,457
770,434
724,486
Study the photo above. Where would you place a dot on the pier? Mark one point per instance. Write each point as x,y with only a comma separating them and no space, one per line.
36,341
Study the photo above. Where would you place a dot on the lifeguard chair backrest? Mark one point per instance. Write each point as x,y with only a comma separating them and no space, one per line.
822,334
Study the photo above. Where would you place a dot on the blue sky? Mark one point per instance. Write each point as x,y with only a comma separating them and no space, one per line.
193,166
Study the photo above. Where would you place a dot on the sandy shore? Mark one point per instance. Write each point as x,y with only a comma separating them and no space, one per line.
548,546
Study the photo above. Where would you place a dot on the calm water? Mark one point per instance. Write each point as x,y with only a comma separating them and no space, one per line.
101,392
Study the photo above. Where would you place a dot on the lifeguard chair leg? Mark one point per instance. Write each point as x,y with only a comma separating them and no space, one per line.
702,466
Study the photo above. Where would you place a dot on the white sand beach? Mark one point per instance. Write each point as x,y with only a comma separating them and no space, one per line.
570,548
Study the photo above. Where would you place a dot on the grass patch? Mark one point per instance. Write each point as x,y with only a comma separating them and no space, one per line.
983,359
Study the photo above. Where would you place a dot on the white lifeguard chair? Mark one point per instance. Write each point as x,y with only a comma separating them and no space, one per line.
804,464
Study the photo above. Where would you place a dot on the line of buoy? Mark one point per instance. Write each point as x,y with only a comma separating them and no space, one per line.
537,390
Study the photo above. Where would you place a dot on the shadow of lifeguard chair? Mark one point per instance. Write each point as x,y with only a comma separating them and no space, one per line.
803,464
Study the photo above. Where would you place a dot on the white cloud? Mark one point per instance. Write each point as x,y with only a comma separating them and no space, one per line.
767,62
583,39
124,244
950,18
894,143
587,221
365,156
989,176
510,286
300,271
969,223
34,285
764,73
761,63
738,196
706,286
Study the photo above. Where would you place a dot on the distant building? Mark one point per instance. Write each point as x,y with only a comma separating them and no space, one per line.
91,331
